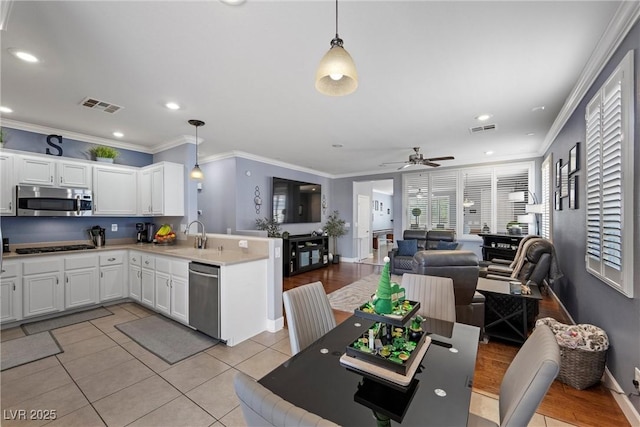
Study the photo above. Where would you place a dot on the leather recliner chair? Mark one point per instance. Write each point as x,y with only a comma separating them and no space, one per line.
427,240
462,267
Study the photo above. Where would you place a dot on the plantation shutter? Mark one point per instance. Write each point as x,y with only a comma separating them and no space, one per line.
511,179
444,201
546,200
477,187
609,140
417,196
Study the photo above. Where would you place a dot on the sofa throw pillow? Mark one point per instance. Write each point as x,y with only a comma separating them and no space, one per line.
447,246
407,247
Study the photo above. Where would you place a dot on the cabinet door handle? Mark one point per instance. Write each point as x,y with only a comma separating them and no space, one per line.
61,180
133,259
111,259
101,274
67,279
57,281
51,179
14,286
167,282
10,205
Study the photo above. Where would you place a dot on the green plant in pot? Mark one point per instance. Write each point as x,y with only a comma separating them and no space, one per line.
416,212
269,225
335,227
103,153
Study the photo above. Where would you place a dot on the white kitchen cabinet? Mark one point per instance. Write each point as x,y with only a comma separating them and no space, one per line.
180,298
10,293
42,287
112,276
74,174
163,293
162,189
148,285
40,171
135,275
7,186
80,281
114,191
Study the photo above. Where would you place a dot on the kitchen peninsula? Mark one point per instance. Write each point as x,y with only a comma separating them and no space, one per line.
39,286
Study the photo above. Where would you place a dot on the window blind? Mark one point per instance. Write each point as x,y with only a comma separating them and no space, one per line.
609,197
546,199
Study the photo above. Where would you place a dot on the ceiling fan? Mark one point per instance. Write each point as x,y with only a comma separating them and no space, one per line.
418,159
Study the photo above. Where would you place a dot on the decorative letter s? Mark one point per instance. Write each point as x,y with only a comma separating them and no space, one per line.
50,140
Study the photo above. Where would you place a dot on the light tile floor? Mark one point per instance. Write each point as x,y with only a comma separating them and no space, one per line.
104,378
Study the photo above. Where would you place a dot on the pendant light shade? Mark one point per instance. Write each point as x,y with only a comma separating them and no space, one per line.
336,74
196,172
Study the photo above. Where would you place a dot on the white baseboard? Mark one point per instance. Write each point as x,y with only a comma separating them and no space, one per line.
621,398
275,325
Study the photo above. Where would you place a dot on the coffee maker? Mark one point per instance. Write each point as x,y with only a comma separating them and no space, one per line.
141,236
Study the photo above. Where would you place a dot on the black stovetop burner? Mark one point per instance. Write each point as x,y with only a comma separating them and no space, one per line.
46,249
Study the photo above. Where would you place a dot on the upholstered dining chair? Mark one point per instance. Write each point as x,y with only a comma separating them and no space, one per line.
435,295
526,381
309,315
261,407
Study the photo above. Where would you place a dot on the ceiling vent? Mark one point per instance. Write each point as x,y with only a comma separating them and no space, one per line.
105,106
482,128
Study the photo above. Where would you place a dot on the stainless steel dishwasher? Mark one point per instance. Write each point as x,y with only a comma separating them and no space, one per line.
204,298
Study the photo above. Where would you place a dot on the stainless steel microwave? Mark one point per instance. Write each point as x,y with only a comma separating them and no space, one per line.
45,201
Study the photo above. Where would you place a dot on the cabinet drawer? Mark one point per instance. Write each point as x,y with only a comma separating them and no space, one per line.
41,266
135,258
180,269
80,262
148,261
9,270
112,258
163,265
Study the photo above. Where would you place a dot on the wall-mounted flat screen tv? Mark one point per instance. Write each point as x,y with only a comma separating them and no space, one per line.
296,201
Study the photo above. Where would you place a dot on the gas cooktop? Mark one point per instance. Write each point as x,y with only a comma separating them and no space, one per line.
45,249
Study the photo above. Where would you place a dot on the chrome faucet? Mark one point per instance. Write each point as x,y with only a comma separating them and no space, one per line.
200,242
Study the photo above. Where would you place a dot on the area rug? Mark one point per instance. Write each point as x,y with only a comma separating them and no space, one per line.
27,349
169,340
62,321
357,293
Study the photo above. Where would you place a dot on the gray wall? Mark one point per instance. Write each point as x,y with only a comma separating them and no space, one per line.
382,219
588,299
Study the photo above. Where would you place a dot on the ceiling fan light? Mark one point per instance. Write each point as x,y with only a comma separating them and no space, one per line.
336,74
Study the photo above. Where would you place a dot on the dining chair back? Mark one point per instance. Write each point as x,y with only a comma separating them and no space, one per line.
435,294
527,380
262,408
308,313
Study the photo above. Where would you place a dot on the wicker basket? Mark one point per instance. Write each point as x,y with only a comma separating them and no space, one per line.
581,368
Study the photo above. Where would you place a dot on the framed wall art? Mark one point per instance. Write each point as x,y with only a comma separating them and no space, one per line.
558,201
574,158
558,167
573,192
564,180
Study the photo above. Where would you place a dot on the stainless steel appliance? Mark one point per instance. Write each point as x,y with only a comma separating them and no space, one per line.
141,236
150,231
44,201
204,298
47,249
97,235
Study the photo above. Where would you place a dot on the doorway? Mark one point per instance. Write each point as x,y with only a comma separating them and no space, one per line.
374,237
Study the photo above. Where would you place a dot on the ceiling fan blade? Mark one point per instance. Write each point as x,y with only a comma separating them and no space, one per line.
428,163
391,163
440,158
405,166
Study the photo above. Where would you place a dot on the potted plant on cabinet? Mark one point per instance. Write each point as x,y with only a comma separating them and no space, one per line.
269,225
104,154
335,227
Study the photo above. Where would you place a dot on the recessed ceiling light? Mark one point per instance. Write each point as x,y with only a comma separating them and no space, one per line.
25,56
118,134
233,2
483,117
538,108
530,134
4,109
488,153
337,145
172,106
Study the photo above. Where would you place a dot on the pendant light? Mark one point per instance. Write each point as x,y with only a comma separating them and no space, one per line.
336,74
196,172
467,203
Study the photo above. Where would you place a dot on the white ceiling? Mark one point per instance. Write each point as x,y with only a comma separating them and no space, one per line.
426,68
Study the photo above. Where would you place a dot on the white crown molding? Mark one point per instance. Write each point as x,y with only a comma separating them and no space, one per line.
176,142
46,130
248,156
625,18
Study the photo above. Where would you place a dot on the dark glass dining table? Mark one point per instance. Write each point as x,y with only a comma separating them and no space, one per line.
439,395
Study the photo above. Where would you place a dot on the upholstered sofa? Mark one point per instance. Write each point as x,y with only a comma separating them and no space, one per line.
401,258
462,267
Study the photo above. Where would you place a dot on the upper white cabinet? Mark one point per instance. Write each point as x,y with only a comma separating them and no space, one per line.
114,191
162,189
52,172
7,187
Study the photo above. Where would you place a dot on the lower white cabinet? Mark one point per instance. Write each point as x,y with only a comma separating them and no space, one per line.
172,288
80,281
135,275
112,276
148,282
10,293
43,291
